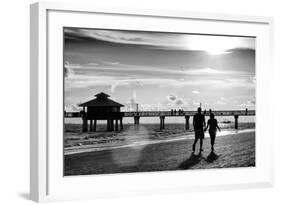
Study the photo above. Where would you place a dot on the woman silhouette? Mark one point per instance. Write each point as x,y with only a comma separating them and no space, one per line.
212,124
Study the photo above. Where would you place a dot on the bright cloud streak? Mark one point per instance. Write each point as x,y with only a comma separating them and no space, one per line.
214,45
118,67
195,92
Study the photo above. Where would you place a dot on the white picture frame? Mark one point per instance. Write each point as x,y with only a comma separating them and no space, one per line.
46,178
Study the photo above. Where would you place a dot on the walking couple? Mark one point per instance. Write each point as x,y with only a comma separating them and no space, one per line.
199,126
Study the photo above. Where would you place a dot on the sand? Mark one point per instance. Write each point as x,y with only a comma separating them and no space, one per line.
236,150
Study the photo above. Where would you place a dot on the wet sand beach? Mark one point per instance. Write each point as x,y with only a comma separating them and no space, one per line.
234,150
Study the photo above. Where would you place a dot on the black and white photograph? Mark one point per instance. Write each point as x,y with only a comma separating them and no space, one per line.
146,101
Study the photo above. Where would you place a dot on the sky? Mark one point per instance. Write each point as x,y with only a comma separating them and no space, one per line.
159,71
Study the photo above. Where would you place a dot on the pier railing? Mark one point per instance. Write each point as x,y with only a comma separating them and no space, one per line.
189,113
174,113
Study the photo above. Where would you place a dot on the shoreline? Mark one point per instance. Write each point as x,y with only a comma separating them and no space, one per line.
145,142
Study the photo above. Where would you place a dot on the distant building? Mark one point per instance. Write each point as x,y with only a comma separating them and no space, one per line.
102,108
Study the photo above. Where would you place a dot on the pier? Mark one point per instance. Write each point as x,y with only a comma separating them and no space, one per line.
164,114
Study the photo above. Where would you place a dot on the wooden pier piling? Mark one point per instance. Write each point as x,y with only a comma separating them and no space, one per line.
137,120
85,125
121,124
91,125
162,122
110,125
95,125
107,125
116,125
187,122
236,121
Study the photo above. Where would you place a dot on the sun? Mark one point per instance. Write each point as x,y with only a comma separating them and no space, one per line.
213,45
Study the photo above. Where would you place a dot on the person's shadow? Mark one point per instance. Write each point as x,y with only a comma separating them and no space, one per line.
212,157
191,161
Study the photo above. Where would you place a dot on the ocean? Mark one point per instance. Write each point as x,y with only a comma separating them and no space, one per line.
173,120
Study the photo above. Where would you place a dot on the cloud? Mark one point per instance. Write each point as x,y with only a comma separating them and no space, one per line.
195,92
72,108
219,102
200,71
125,74
249,103
131,105
195,104
172,102
98,79
113,86
93,64
151,107
113,63
171,97
180,102
175,102
85,75
68,71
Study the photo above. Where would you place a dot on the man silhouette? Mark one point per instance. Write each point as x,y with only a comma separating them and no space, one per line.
198,125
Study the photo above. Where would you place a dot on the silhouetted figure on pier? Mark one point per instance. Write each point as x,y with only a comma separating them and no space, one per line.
198,125
180,111
212,124
205,111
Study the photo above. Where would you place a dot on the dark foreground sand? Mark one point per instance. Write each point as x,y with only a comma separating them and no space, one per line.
230,151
